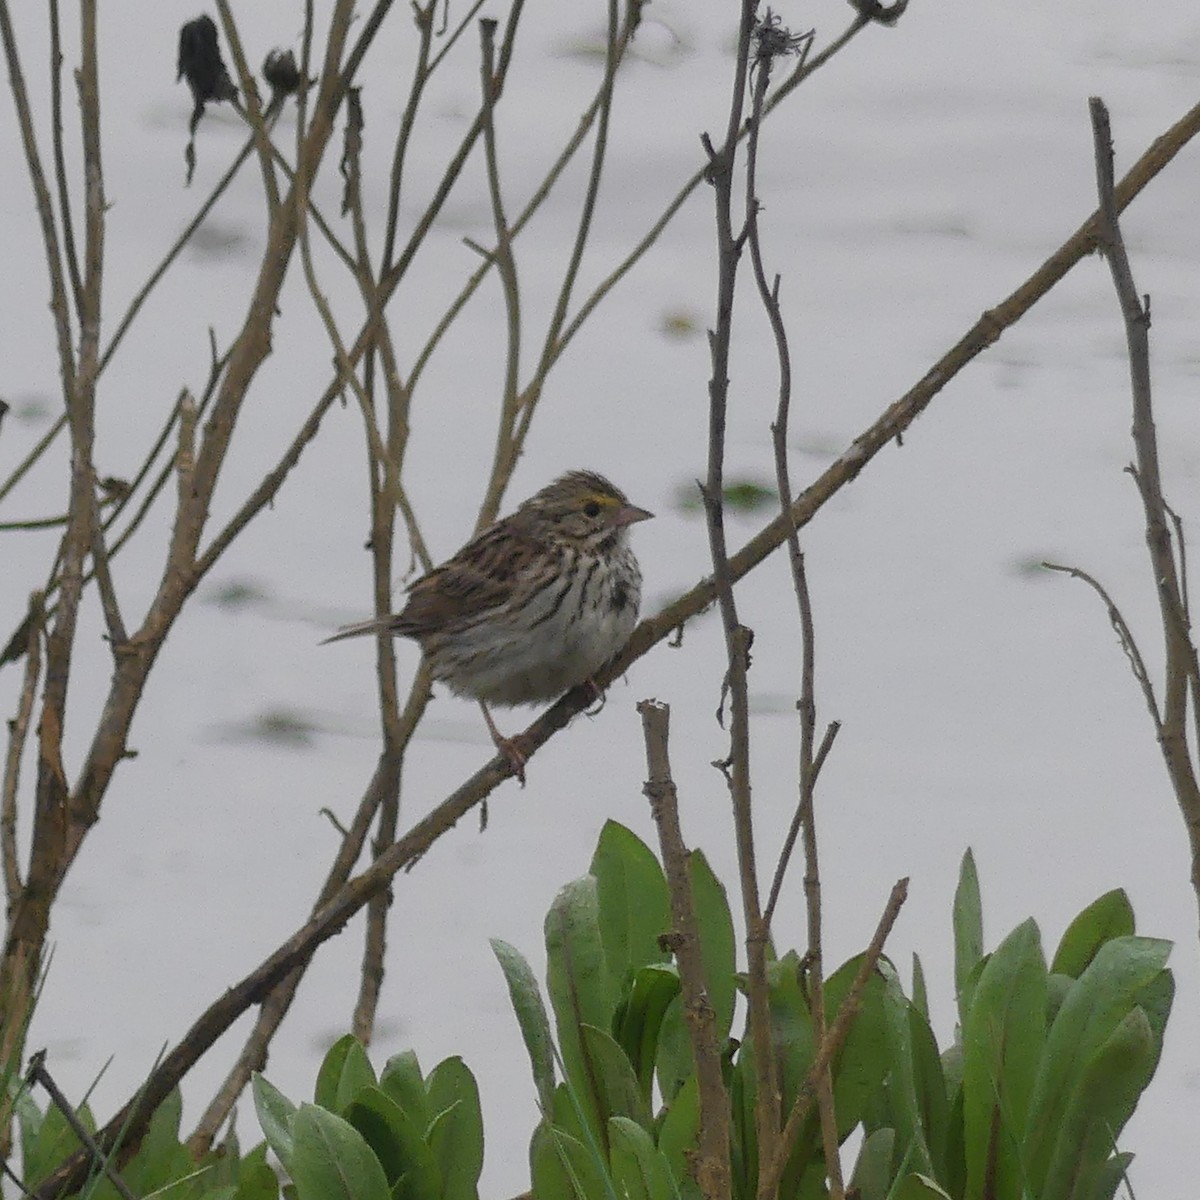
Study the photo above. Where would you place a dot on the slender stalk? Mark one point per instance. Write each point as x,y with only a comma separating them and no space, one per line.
737,637
506,266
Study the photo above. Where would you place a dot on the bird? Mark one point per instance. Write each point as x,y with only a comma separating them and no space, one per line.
532,606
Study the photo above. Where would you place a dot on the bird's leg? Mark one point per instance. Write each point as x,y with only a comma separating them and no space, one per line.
508,747
596,696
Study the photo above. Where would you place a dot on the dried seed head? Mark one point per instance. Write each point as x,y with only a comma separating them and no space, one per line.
280,71
200,62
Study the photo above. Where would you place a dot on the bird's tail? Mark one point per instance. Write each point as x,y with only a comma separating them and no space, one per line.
361,629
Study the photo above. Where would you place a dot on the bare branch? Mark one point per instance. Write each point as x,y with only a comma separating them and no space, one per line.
1182,669
18,731
712,1158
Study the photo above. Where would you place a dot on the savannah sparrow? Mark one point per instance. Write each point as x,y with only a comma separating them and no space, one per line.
532,606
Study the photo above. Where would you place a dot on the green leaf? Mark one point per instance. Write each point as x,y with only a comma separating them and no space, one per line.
1003,1037
456,1135
331,1161
864,1060
1102,997
160,1159
1110,1177
29,1121
578,983
920,997
393,1136
403,1082
276,1116
618,1085
916,1087
345,1071
1104,919
718,949
527,1003
563,1168
919,1187
679,1132
929,1085
968,932
256,1181
639,1018
635,904
718,942
1102,1101
872,1175
640,1170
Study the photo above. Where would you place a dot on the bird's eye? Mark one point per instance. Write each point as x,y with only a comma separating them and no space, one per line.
591,508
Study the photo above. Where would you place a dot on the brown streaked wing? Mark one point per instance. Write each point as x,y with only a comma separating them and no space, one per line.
478,578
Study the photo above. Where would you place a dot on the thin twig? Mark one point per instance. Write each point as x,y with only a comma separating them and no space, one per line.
37,1073
1124,636
18,731
737,637
773,41
251,106
504,458
41,195
613,51
771,1171
60,162
712,1171
1181,667
789,843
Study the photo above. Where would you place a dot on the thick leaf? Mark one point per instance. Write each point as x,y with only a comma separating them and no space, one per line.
929,1080
1057,987
919,1187
618,1085
673,1056
1155,1000
920,997
640,1016
397,1141
1104,919
968,932
953,1155
160,1159
743,1095
1003,1038
635,905
578,983
718,943
1101,1102
864,1061
563,1168
718,949
331,1161
640,1170
403,1082
276,1116
1111,1176
1098,1002
456,1135
344,1072
907,1102
678,1134
256,1181
872,1176
527,1003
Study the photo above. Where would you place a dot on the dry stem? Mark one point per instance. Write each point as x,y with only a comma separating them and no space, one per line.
712,1160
